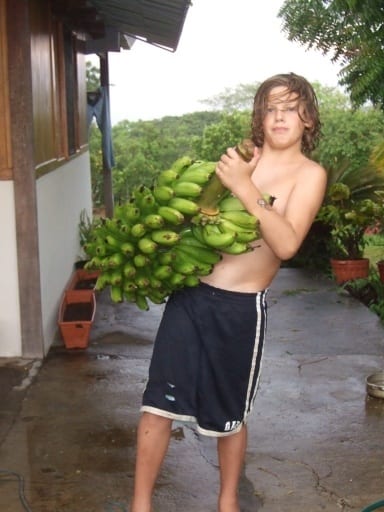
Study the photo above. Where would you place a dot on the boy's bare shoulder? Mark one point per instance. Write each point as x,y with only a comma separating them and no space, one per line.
311,170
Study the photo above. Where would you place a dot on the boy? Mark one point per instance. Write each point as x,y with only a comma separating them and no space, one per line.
207,355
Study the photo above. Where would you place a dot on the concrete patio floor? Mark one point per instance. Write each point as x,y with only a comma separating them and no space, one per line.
316,440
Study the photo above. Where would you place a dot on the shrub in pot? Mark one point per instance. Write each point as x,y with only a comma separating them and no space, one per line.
348,219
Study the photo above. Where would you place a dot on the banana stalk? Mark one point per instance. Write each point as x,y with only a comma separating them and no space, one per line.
214,191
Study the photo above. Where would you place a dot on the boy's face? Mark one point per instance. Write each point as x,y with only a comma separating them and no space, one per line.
284,119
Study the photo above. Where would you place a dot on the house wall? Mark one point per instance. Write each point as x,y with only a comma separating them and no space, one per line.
61,196
10,334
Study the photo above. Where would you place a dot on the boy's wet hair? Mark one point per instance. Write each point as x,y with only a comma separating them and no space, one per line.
306,97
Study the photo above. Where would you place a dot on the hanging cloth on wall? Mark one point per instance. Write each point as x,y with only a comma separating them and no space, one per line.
98,107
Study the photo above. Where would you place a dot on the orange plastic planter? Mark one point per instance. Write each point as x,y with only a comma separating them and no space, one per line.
76,316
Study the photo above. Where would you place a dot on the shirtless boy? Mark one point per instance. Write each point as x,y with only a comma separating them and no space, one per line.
207,354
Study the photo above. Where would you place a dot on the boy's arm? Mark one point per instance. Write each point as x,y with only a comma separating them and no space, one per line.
283,233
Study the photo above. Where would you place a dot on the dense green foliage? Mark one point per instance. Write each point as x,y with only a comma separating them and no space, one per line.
352,32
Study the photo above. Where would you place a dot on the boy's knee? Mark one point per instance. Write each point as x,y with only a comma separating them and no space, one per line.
151,420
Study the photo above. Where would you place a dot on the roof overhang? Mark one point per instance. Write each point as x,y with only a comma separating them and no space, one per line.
157,22
110,25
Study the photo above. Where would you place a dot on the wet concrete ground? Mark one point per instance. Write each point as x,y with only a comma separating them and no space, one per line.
316,440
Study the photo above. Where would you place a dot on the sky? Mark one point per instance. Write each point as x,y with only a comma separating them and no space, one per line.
223,44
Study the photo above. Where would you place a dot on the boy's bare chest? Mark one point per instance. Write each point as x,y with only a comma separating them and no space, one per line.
278,185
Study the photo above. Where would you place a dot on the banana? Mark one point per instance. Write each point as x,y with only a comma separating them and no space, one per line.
165,258
125,230
176,280
102,281
116,260
115,278
185,206
138,230
95,249
191,241
171,215
130,296
187,189
129,286
200,267
247,236
147,203
113,227
141,280
155,284
129,270
98,263
130,213
147,245
156,298
142,302
162,272
237,248
231,203
198,234
167,177
140,260
215,238
116,294
94,263
242,234
163,193
182,163
187,237
154,221
138,192
127,248
183,266
165,237
199,175
201,255
112,242
242,219
191,280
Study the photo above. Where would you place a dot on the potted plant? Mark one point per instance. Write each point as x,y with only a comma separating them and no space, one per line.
348,219
76,317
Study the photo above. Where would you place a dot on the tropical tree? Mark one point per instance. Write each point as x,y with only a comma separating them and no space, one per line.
92,77
233,99
352,32
217,137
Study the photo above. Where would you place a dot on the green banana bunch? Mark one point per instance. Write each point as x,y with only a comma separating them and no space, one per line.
165,237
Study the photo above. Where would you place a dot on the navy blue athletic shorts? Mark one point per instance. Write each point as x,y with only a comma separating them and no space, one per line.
206,359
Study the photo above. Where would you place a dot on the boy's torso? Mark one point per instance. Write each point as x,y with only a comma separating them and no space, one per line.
254,271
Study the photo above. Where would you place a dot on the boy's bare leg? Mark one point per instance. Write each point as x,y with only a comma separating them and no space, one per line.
231,452
153,436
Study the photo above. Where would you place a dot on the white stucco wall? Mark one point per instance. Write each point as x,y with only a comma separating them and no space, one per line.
10,334
61,196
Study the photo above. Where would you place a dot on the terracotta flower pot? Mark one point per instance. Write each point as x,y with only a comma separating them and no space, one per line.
347,270
76,316
84,281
